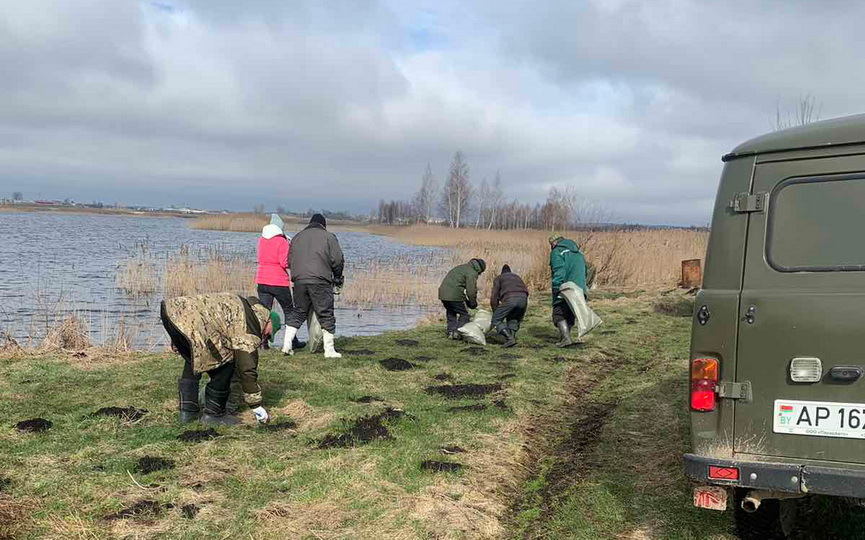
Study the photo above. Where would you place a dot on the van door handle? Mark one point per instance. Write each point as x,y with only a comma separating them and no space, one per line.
751,315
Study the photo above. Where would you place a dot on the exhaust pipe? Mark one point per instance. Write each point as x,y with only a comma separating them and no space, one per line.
751,503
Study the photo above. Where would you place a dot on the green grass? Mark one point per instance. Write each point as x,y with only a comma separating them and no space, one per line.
520,477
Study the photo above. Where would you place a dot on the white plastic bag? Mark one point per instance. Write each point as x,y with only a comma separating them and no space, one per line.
316,336
475,331
586,320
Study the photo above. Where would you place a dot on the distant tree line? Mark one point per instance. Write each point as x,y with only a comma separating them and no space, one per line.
457,203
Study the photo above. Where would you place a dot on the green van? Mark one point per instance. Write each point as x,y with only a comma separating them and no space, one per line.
777,392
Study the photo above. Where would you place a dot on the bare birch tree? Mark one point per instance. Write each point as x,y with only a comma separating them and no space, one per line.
457,194
805,112
425,198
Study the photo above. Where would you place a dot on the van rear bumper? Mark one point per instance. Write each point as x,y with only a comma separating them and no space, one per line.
790,477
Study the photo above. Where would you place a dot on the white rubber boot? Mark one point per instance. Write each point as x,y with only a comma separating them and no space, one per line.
329,350
288,337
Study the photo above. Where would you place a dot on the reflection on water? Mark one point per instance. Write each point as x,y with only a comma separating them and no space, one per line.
52,265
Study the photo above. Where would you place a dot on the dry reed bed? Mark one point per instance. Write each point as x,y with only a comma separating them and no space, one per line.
254,223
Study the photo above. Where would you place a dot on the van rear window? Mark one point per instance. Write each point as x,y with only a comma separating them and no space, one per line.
817,225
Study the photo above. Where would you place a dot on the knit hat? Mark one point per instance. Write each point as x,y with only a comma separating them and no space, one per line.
506,269
318,218
554,237
482,263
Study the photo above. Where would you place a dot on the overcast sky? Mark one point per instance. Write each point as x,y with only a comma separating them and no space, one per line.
336,104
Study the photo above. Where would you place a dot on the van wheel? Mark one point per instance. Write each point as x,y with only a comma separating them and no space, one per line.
774,520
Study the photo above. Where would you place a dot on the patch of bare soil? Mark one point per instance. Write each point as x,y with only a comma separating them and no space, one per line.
198,435
141,509
368,399
506,376
456,391
189,511
34,425
443,377
4,483
407,342
149,464
364,430
396,364
127,414
453,449
440,466
282,425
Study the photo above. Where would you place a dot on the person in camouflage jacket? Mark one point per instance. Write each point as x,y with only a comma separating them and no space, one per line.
218,334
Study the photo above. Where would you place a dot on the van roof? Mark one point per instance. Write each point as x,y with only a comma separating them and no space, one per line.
835,132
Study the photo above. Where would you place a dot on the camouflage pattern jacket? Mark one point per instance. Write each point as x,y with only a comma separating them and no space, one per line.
218,325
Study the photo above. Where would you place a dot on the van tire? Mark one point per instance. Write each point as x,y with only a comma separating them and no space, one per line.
765,523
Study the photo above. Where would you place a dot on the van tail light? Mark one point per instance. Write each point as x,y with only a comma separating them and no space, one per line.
704,380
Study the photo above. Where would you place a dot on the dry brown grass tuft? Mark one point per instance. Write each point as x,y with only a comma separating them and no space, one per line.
212,271
137,275
14,517
71,334
231,222
307,417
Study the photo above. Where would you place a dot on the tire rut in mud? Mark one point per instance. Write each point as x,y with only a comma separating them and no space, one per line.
561,445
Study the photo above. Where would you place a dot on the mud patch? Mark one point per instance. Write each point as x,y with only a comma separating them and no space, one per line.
454,449
4,483
440,466
509,356
282,425
364,430
500,404
368,399
396,364
34,425
558,359
474,350
127,414
468,408
607,332
407,342
455,391
423,358
198,435
149,464
189,511
359,352
443,377
145,508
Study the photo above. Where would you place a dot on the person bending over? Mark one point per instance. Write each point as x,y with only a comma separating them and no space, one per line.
509,300
458,290
218,334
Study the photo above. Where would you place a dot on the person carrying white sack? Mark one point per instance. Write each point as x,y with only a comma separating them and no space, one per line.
317,264
567,265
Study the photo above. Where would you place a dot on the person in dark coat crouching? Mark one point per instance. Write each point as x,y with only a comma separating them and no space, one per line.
458,289
316,263
509,300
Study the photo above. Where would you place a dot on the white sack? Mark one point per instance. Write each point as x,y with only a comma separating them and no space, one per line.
316,336
475,331
586,319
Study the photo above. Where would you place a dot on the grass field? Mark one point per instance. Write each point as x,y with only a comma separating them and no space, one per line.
576,443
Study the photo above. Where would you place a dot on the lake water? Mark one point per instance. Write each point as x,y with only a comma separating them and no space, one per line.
52,265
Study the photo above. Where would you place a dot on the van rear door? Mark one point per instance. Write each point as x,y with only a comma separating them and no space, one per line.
803,306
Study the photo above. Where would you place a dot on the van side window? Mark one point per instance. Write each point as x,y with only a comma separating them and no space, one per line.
817,225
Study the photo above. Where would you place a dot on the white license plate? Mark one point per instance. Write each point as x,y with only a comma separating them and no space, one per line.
819,418
710,497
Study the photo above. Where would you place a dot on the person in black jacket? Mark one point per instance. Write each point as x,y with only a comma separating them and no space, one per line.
509,300
316,263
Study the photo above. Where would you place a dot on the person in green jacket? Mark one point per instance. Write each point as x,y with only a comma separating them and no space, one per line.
567,263
458,289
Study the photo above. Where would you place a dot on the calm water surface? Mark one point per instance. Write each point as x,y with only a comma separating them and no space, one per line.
55,264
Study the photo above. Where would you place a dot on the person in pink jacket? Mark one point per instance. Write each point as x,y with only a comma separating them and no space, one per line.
271,274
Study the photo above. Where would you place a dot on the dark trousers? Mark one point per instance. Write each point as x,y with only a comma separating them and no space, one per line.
317,297
267,293
457,315
220,378
562,312
510,313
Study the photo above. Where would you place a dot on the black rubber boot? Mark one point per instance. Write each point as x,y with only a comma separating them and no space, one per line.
564,335
214,408
510,337
187,400
297,344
